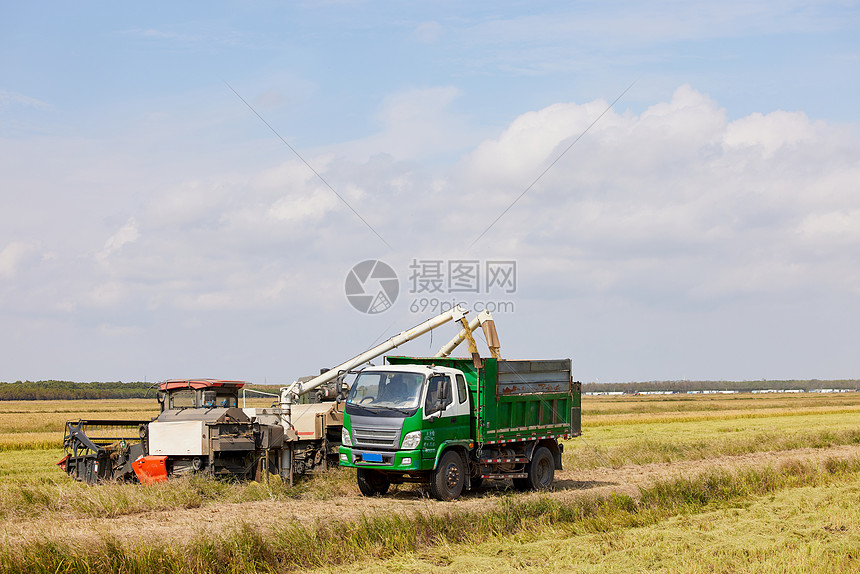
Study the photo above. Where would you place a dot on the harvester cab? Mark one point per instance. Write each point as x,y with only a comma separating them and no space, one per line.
178,395
202,428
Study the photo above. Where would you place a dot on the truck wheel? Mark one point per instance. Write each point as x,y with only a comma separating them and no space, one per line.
448,478
372,482
541,472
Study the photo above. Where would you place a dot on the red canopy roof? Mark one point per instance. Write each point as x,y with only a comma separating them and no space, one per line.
199,384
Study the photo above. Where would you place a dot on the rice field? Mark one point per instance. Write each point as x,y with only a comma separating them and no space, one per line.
699,502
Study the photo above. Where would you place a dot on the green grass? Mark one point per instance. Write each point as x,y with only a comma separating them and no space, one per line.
31,466
520,520
618,445
542,533
32,425
59,495
594,407
802,529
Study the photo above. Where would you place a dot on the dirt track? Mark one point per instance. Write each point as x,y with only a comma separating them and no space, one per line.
181,524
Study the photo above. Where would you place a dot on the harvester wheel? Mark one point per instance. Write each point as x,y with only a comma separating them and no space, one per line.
449,477
372,482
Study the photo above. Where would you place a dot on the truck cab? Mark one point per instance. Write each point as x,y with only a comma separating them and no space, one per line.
388,408
398,417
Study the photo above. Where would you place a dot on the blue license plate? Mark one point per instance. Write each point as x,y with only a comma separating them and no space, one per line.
371,457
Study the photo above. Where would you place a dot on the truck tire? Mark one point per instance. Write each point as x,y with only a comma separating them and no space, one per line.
372,482
541,472
448,478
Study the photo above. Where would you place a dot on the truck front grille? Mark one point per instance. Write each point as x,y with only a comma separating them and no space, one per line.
376,437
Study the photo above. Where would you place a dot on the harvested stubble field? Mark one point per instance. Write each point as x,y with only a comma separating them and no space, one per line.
742,483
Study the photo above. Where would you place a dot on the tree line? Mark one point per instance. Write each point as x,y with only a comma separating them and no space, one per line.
68,390
741,386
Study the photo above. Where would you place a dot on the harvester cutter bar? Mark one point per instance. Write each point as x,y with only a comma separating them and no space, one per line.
96,434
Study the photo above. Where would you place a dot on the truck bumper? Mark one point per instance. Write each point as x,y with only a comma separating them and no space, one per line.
401,460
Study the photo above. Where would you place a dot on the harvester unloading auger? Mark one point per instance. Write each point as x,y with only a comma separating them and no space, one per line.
202,429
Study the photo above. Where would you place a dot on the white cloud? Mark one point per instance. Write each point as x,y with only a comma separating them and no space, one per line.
428,32
296,210
8,98
200,35
128,233
190,203
835,227
118,330
15,255
771,131
151,33
673,212
416,125
715,208
526,147
589,29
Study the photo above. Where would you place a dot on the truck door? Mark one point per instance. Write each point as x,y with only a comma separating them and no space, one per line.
446,413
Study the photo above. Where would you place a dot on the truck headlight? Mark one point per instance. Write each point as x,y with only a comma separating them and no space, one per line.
411,440
344,437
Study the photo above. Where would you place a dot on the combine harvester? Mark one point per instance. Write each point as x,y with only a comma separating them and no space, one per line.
200,428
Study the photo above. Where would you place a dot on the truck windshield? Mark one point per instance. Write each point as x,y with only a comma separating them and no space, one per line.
391,389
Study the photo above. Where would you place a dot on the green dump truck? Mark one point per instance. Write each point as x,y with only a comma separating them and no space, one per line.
451,424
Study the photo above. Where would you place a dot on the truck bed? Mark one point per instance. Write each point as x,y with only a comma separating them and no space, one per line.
528,399
517,399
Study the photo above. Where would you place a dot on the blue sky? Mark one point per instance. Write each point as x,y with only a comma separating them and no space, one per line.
154,227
